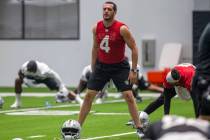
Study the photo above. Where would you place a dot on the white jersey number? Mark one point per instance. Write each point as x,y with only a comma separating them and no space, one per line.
104,45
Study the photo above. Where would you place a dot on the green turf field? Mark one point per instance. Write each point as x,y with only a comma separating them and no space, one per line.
47,127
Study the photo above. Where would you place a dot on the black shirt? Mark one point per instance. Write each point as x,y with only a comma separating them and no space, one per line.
203,67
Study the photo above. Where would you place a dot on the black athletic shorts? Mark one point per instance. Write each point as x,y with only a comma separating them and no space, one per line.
143,84
200,105
50,83
118,72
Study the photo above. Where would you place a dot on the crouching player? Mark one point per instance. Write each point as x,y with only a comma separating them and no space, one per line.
177,82
181,128
33,73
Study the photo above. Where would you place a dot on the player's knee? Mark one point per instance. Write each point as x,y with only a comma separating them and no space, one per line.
90,95
128,96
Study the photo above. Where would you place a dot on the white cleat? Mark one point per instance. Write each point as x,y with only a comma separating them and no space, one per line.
15,105
144,118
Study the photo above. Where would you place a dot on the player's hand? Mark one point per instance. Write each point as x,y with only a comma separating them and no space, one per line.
132,77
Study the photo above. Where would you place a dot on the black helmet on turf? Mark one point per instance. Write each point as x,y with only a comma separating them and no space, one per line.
32,66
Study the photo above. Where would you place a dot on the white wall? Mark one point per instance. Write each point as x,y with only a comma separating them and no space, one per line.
166,20
202,4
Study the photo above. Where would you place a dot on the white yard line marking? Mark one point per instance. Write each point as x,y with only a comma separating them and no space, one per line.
60,112
109,136
43,113
69,105
37,136
115,95
37,108
56,106
17,139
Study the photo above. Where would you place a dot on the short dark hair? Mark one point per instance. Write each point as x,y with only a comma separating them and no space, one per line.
114,5
175,74
32,66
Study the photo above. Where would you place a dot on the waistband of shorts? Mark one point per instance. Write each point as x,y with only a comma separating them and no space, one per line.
113,64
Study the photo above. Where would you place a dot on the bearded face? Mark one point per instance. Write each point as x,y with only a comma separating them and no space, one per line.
108,12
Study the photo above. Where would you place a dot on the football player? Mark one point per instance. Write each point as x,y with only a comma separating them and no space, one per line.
180,128
87,71
33,73
108,62
177,82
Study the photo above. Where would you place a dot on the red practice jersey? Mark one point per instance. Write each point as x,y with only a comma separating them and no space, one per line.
186,71
111,43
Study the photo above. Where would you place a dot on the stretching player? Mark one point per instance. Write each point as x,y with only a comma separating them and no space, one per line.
87,71
108,62
33,73
180,128
178,81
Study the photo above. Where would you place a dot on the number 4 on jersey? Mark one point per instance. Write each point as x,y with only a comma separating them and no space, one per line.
104,45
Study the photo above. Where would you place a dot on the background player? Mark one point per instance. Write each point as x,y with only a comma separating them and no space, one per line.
177,82
87,71
33,73
180,128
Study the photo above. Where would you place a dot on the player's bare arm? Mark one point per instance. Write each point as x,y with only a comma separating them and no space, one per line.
94,49
126,34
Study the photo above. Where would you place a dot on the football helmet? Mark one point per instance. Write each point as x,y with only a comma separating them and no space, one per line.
1,102
144,118
71,130
60,98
